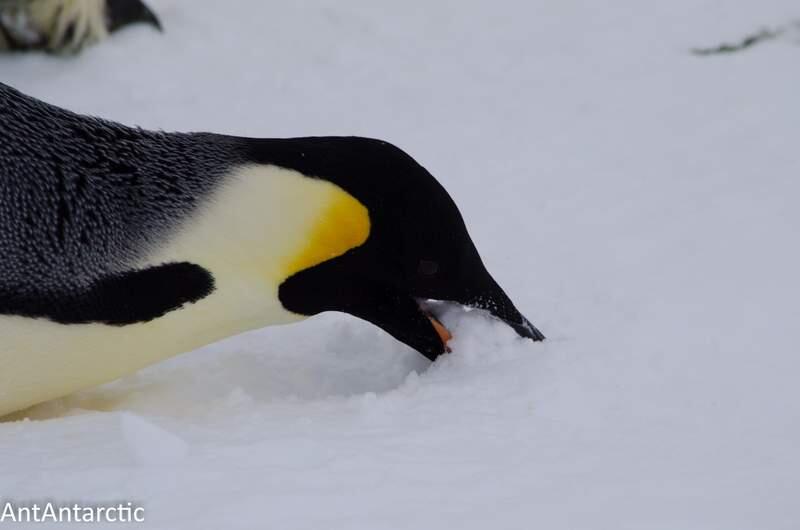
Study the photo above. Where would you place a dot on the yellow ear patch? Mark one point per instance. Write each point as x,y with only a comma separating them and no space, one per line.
343,224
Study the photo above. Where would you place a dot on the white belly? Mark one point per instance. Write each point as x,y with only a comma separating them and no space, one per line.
246,237
42,360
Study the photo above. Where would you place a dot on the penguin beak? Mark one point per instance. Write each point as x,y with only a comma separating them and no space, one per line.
410,313
428,335
124,12
494,302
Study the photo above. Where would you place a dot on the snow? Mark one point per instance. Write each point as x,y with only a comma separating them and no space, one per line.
637,202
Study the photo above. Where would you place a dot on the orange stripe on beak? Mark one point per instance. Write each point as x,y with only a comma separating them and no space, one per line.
443,332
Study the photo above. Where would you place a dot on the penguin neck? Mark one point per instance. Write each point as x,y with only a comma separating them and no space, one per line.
264,224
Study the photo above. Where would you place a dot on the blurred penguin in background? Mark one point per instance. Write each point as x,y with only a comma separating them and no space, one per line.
66,26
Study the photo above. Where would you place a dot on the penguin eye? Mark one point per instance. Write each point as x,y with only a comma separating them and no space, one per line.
427,267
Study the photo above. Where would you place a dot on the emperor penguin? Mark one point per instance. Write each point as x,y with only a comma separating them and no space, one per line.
121,247
66,26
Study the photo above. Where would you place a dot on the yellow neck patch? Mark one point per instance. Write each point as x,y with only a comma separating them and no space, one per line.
342,225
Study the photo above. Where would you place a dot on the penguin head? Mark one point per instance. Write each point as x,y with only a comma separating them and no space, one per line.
417,248
120,13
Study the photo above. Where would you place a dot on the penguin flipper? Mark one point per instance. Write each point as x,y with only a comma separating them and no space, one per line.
120,299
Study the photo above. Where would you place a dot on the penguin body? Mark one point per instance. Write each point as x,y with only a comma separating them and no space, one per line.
121,247
226,235
102,228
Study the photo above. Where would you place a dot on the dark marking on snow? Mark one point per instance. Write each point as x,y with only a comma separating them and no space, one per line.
747,42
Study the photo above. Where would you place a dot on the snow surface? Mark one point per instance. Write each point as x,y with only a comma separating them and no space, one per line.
639,203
